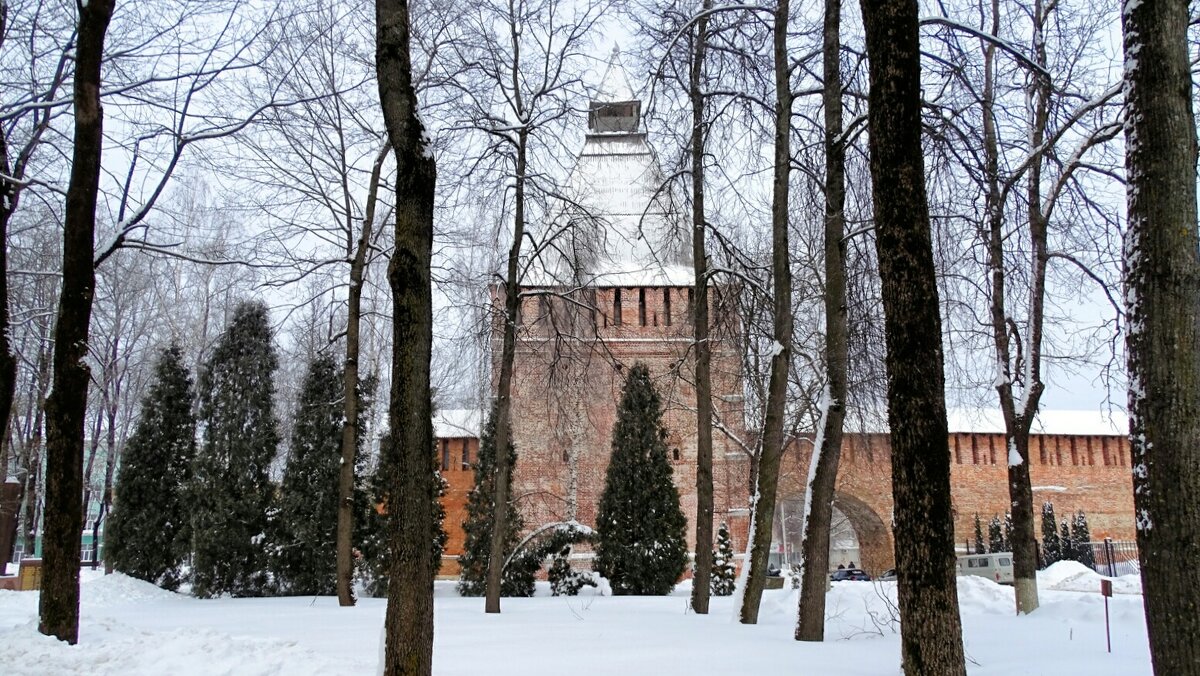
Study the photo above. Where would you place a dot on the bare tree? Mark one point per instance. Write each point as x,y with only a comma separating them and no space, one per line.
524,61
827,449
1162,291
408,625
1058,116
702,575
931,640
767,476
59,601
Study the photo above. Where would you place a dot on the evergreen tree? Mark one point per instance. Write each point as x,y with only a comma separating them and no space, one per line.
304,555
232,491
995,535
1008,531
565,580
1081,535
640,525
1069,550
473,563
724,572
372,537
1051,544
979,546
148,536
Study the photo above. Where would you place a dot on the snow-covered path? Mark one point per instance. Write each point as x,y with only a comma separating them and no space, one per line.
133,628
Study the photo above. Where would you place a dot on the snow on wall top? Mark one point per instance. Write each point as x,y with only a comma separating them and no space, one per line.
453,423
991,421
1065,422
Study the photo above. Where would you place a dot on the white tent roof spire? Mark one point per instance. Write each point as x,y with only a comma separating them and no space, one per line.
614,86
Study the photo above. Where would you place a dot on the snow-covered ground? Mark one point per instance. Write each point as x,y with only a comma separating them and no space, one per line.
130,627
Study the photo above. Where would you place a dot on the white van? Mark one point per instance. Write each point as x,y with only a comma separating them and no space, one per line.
996,566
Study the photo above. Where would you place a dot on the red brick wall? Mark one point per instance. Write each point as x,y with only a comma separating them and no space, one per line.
567,354
455,457
568,375
1089,473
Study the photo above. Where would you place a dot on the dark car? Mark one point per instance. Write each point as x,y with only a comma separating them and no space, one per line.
851,574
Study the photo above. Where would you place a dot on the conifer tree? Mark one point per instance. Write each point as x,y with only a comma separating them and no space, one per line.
1008,532
640,525
1081,536
979,546
148,536
232,491
1051,544
724,573
304,556
995,535
565,580
1069,550
372,536
473,562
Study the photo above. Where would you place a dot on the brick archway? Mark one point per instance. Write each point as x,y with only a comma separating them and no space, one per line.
874,537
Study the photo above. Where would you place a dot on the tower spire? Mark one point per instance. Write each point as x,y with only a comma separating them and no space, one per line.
615,107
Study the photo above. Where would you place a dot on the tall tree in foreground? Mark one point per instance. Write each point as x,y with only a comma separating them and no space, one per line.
767,476
1162,292
931,630
827,450
480,524
701,585
58,609
232,491
308,498
408,624
642,548
148,536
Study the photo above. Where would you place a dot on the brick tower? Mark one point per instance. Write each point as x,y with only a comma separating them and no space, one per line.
610,284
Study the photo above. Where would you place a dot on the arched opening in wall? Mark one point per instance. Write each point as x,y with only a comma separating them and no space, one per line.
788,540
873,536
858,536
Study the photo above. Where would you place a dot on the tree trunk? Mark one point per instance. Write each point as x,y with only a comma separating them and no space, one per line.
350,431
772,438
89,463
1018,415
8,363
10,189
702,577
931,631
512,296
67,404
408,625
815,569
110,468
1162,269
33,448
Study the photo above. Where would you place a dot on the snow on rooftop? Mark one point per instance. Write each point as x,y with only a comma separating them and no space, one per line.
453,423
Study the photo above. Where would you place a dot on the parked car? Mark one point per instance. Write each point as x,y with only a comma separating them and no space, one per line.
850,574
996,566
889,575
